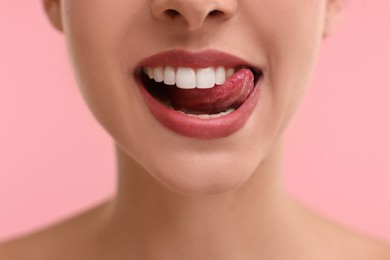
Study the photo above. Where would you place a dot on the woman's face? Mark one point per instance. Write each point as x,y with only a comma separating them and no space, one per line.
276,41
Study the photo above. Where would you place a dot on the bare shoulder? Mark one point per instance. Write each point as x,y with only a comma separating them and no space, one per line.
379,250
59,241
362,246
340,242
365,247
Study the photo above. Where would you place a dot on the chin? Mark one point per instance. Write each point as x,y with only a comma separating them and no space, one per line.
202,175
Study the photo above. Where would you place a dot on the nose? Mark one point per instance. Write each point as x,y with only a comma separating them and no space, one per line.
193,13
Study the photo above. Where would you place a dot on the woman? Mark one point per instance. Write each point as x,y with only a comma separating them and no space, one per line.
196,95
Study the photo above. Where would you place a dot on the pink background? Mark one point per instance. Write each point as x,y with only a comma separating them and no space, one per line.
55,160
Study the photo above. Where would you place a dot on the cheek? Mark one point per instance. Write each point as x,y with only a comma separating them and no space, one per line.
290,33
95,43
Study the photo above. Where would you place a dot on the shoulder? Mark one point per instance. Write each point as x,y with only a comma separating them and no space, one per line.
357,245
337,241
12,250
361,246
61,240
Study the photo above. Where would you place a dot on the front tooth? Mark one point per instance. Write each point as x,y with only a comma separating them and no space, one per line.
229,72
158,74
220,75
149,71
169,76
205,78
185,78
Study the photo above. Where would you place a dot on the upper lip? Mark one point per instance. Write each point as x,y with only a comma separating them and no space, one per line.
200,59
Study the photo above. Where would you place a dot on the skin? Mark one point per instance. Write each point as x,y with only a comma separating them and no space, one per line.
179,197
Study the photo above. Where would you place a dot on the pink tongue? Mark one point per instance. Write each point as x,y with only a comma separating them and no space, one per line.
231,94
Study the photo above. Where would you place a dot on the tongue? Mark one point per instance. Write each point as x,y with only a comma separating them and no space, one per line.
231,94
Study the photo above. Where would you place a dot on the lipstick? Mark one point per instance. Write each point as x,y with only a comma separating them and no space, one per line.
216,112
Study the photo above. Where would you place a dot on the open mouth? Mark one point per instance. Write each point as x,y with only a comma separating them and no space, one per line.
200,92
205,95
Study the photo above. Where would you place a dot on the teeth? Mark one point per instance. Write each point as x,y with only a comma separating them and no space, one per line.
220,75
207,116
229,72
185,78
169,76
158,74
205,78
188,78
149,71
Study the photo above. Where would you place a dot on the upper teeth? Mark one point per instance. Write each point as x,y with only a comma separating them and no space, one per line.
188,78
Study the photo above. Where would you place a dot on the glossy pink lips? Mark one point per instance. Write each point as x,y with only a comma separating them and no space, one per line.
204,128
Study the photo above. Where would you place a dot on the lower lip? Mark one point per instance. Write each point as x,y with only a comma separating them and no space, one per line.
210,128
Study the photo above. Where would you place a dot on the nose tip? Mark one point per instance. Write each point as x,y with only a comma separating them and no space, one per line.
193,13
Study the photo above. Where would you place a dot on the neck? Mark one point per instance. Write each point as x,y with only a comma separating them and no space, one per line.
158,223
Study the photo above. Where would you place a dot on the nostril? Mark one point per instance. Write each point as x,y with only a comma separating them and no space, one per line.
193,13
215,13
171,13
